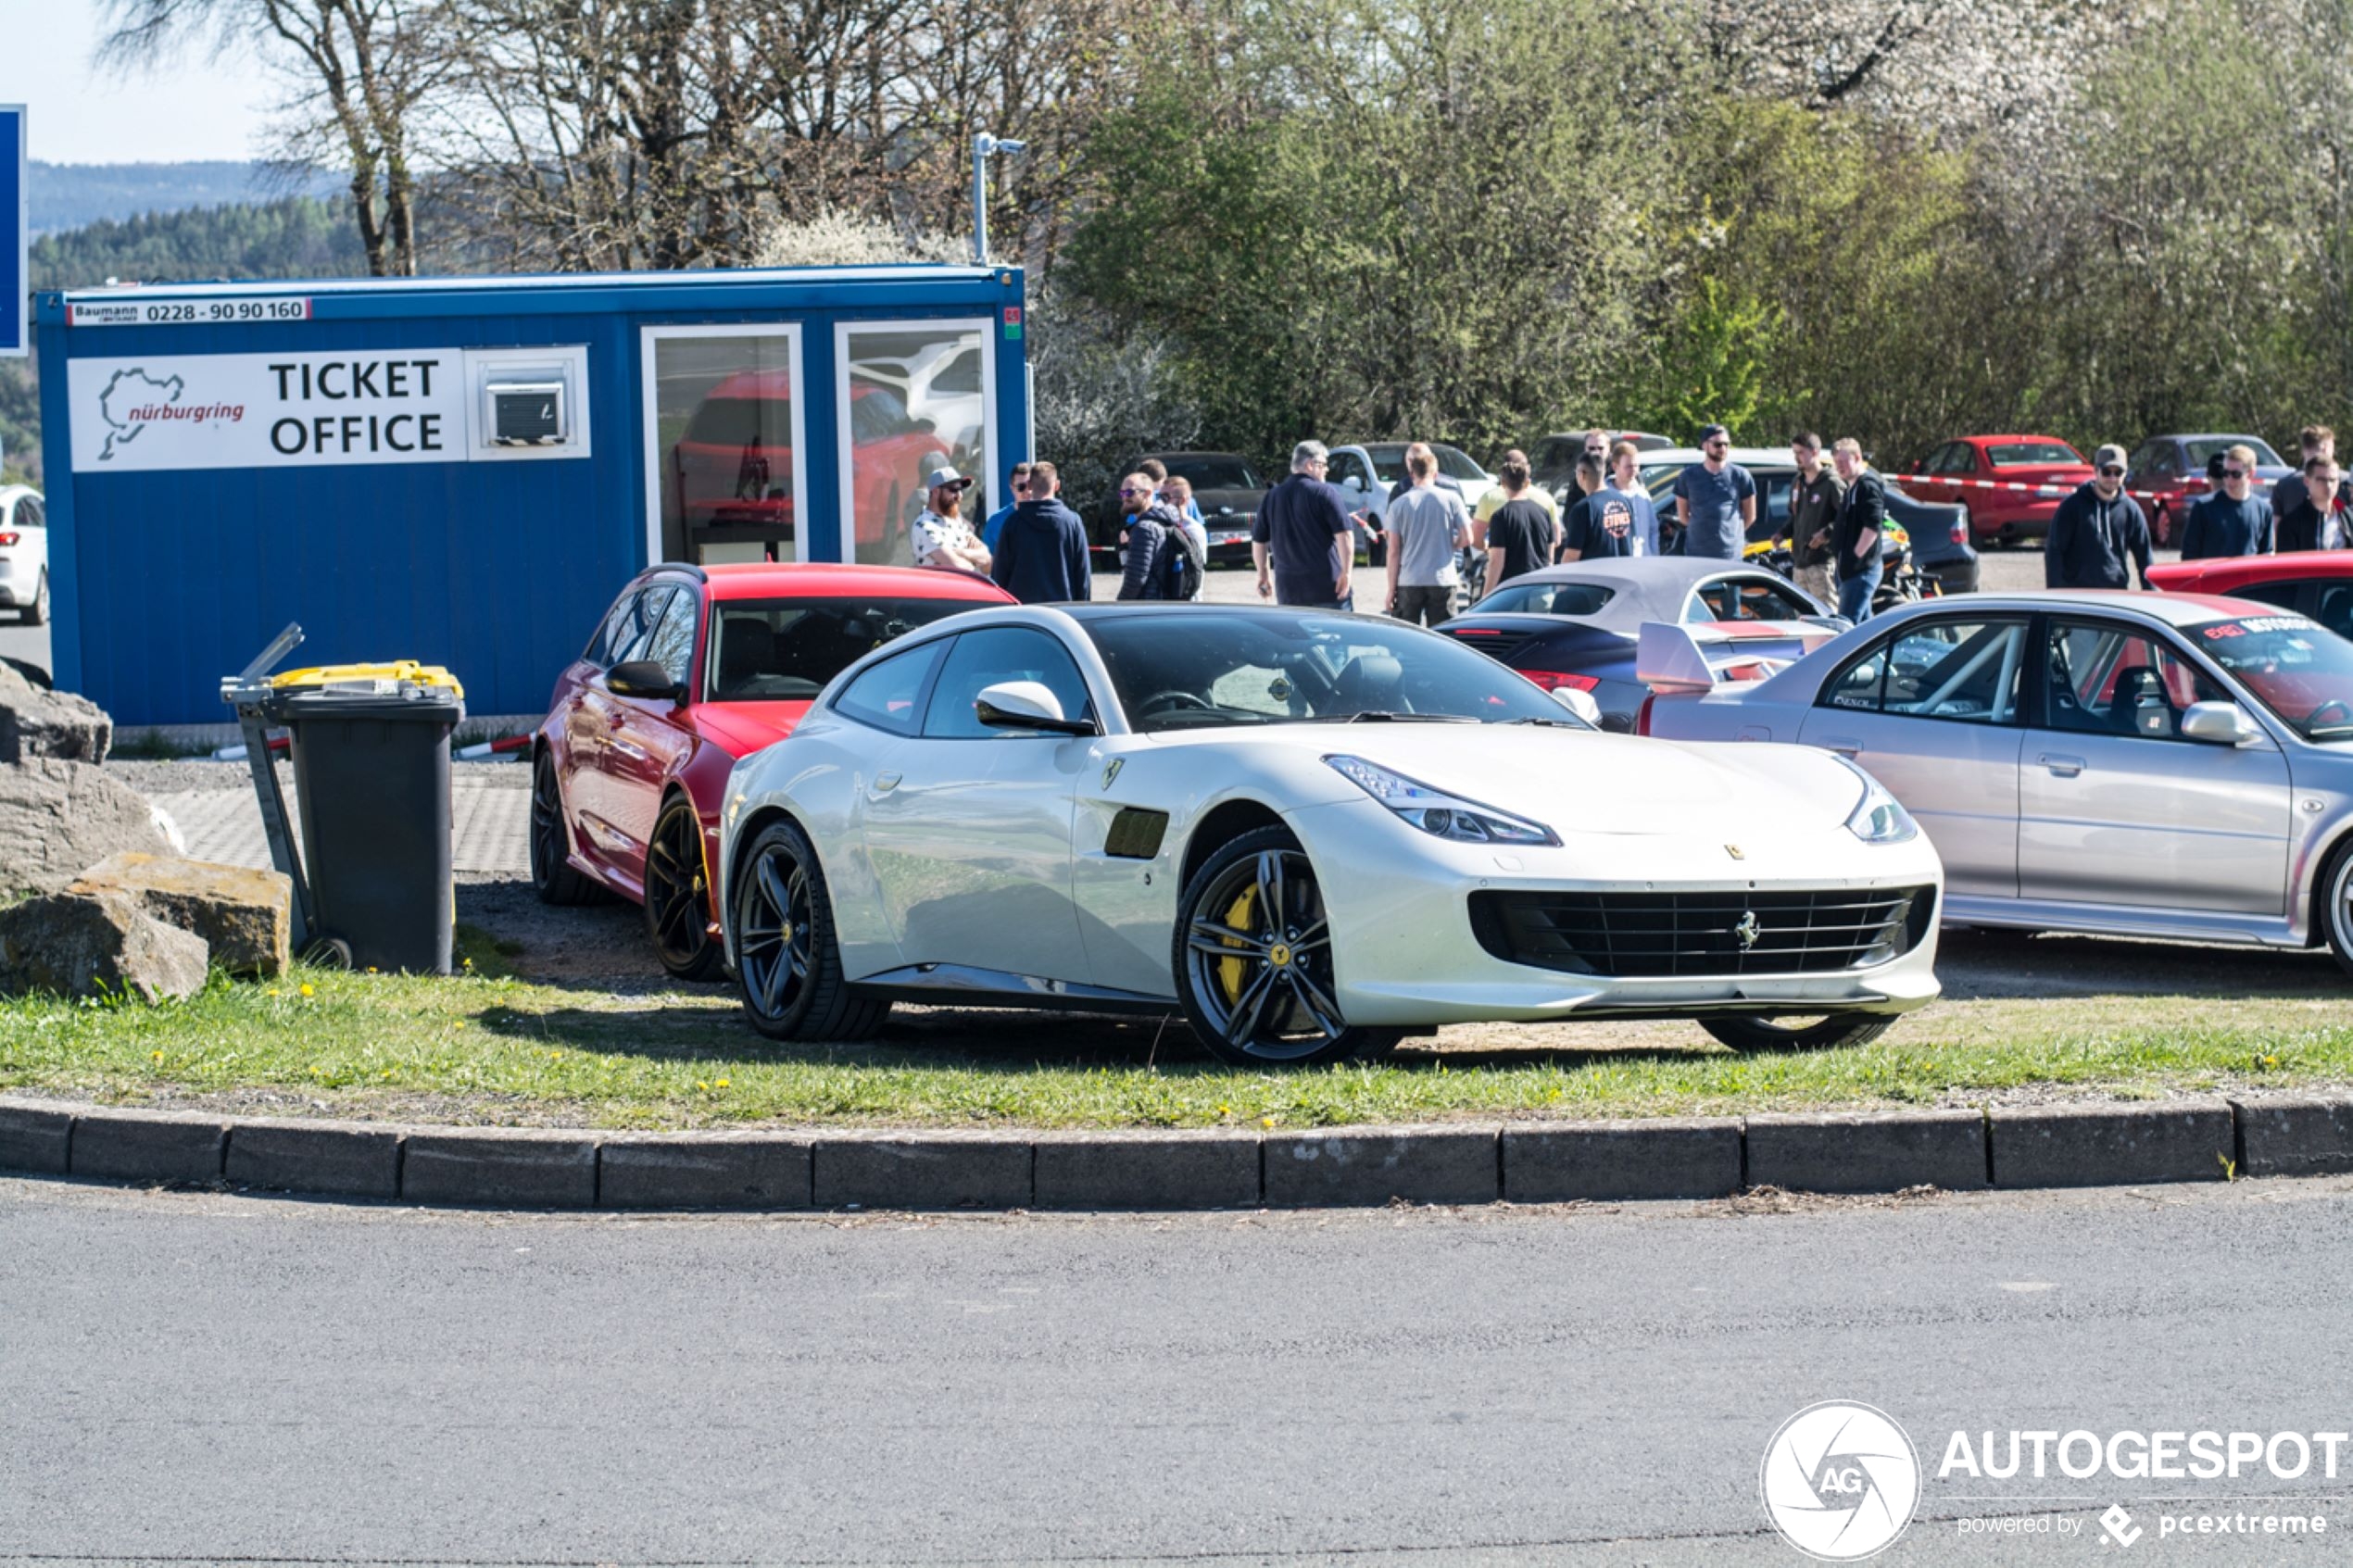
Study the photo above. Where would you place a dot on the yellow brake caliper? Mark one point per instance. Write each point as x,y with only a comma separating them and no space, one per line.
1229,971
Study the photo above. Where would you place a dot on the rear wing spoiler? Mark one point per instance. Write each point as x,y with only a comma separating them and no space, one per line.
1674,657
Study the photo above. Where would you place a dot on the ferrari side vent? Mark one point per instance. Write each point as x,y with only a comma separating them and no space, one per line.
1135,833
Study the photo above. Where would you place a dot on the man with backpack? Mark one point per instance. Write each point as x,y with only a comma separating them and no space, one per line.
1188,566
1155,539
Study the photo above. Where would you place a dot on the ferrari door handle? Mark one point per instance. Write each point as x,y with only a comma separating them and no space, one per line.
886,783
2063,767
1844,746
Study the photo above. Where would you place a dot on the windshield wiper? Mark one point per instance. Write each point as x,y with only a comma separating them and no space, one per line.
1383,716
1552,723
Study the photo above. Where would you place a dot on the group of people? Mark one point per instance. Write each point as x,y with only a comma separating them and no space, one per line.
1034,548
1303,539
2099,532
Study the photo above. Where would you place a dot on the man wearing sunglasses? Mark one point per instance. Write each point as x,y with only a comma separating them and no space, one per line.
2234,522
2098,532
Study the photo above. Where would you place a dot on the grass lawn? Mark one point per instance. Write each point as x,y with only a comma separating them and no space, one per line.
2020,1023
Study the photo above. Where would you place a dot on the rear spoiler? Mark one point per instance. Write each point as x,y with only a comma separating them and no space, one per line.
1675,658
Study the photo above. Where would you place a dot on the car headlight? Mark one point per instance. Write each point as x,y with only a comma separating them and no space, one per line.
1879,817
1436,812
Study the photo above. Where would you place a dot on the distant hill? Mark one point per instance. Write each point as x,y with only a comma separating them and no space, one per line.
68,196
295,237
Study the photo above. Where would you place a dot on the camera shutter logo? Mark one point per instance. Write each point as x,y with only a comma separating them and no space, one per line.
1840,1481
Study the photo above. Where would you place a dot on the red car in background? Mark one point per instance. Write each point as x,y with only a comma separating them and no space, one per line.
2317,585
692,668
733,464
1978,472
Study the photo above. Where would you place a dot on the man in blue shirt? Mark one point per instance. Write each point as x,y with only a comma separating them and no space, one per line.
1042,554
1019,485
1715,501
2233,522
1303,526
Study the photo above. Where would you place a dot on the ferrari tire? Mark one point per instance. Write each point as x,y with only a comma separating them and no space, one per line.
679,895
787,965
2336,905
554,877
1833,1031
1252,958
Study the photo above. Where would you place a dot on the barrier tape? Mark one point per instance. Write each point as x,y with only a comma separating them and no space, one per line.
2190,487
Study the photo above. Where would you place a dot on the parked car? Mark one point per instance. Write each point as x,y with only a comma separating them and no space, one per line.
1366,473
2007,485
1309,833
692,668
24,553
1578,626
2314,584
2163,765
1939,533
1227,488
733,463
1554,458
2168,473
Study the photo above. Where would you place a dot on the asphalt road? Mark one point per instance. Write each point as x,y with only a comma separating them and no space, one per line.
201,1377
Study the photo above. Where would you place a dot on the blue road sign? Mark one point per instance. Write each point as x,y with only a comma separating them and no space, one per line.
14,280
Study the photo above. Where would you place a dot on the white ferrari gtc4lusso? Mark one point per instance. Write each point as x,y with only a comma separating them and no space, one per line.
1312,833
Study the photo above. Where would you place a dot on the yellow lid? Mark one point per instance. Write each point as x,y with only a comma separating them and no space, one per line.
400,670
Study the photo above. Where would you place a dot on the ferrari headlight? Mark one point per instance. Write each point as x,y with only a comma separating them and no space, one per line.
1879,817
1436,812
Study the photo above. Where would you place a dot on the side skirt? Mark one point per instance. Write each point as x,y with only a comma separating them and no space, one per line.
946,985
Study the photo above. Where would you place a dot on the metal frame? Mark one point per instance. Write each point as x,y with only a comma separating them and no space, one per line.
992,441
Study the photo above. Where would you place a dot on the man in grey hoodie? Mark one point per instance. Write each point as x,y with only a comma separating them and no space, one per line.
2097,530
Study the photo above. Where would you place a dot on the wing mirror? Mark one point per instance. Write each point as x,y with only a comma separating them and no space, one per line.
1026,705
2219,723
1580,702
644,678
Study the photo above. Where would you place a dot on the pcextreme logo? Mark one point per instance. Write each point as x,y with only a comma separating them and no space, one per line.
1840,1481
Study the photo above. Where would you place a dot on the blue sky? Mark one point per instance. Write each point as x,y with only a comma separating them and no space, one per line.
199,109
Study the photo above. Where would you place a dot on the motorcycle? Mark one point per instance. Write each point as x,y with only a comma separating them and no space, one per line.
1900,582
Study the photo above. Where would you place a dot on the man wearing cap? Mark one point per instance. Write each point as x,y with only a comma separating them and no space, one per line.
941,536
1715,501
1300,540
2097,531
2236,523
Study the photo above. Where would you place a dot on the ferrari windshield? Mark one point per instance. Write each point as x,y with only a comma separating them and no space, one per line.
785,650
1193,670
2298,670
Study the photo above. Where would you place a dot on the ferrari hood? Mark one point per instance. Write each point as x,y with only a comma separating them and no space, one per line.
1579,781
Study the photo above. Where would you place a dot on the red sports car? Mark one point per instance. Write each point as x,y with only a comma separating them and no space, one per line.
2317,585
692,668
2009,484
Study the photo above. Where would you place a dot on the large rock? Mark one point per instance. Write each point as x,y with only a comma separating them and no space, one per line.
96,944
37,721
58,817
244,916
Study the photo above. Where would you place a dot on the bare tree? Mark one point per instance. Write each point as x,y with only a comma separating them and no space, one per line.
362,68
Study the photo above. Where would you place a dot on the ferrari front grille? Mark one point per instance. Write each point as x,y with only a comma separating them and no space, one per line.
1695,934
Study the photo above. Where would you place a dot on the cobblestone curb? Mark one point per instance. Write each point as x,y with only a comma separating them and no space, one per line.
2101,1144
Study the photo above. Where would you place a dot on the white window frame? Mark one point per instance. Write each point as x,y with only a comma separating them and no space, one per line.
648,405
992,437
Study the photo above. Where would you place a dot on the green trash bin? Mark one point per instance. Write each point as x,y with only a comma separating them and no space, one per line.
371,778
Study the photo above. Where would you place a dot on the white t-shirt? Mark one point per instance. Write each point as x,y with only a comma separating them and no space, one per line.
933,534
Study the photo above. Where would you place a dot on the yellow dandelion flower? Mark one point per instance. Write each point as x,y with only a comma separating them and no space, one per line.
723,1083
307,989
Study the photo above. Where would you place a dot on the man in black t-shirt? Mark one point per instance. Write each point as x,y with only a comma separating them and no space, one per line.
1520,536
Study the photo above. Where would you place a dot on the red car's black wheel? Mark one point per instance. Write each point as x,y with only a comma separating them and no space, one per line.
679,895
552,877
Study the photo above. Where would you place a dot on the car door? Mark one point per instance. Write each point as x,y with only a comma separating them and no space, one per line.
883,707
590,717
968,828
649,744
1933,710
2117,807
1930,486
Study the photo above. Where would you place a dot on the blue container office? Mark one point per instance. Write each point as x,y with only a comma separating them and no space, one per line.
465,469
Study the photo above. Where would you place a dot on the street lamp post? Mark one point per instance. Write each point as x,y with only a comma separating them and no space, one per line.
983,145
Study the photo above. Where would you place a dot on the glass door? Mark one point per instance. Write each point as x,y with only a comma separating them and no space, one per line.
725,462
915,397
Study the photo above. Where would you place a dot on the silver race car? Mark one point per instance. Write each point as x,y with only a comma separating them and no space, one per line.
2167,765
1310,832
